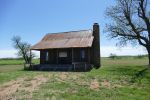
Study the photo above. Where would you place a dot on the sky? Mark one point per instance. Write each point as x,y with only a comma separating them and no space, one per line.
32,19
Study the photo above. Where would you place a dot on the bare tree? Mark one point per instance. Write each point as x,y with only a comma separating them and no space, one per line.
130,23
23,49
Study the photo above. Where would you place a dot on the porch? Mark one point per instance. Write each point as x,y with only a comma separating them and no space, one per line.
64,59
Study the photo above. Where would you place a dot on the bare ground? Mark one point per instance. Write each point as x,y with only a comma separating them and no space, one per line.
21,84
94,85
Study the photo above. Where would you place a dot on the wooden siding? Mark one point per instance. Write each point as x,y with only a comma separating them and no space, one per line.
65,60
77,55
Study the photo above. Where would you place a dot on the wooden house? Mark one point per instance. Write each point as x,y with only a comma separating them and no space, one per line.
74,50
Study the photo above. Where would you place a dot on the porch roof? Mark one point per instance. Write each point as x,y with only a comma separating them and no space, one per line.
73,39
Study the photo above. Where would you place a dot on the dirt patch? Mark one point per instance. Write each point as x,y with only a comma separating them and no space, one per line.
53,98
63,76
106,83
21,84
34,83
9,88
94,85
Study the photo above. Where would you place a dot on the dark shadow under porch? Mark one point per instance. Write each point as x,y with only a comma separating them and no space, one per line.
76,67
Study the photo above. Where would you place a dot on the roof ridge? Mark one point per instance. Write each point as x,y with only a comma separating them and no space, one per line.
69,31
71,38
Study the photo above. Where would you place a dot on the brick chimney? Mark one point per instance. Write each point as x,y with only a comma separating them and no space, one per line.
96,46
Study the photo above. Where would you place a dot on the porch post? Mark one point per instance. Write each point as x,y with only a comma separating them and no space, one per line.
89,56
73,60
72,56
57,55
30,58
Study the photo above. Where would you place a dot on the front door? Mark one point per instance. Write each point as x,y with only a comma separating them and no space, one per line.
64,56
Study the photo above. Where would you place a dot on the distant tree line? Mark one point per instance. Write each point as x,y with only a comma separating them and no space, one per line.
114,56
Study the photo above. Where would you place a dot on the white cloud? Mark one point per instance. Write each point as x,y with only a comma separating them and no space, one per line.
8,53
12,53
105,51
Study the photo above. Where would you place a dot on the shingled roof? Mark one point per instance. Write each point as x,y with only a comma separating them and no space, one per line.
72,39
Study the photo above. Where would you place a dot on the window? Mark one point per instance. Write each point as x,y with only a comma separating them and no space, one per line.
47,56
62,54
82,54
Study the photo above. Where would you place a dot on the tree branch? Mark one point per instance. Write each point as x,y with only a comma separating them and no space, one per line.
142,14
118,31
134,29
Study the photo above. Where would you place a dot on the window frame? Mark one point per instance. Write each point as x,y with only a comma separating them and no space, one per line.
47,56
82,54
63,54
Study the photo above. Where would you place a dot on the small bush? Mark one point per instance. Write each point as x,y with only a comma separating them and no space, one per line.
113,56
140,56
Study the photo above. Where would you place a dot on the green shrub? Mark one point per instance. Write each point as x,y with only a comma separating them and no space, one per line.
113,56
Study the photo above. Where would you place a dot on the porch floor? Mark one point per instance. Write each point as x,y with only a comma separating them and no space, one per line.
62,67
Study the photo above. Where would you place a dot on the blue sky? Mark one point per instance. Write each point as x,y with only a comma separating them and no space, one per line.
32,19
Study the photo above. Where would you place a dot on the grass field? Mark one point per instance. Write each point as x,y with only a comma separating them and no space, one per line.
119,79
15,61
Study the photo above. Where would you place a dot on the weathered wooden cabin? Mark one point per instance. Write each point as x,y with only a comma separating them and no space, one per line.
74,50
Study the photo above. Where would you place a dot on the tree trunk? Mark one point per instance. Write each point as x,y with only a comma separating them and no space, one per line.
149,59
148,50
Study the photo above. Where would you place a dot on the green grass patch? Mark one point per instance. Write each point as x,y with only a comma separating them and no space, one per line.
125,61
15,61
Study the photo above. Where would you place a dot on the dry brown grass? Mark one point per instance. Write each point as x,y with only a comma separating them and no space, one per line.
21,84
